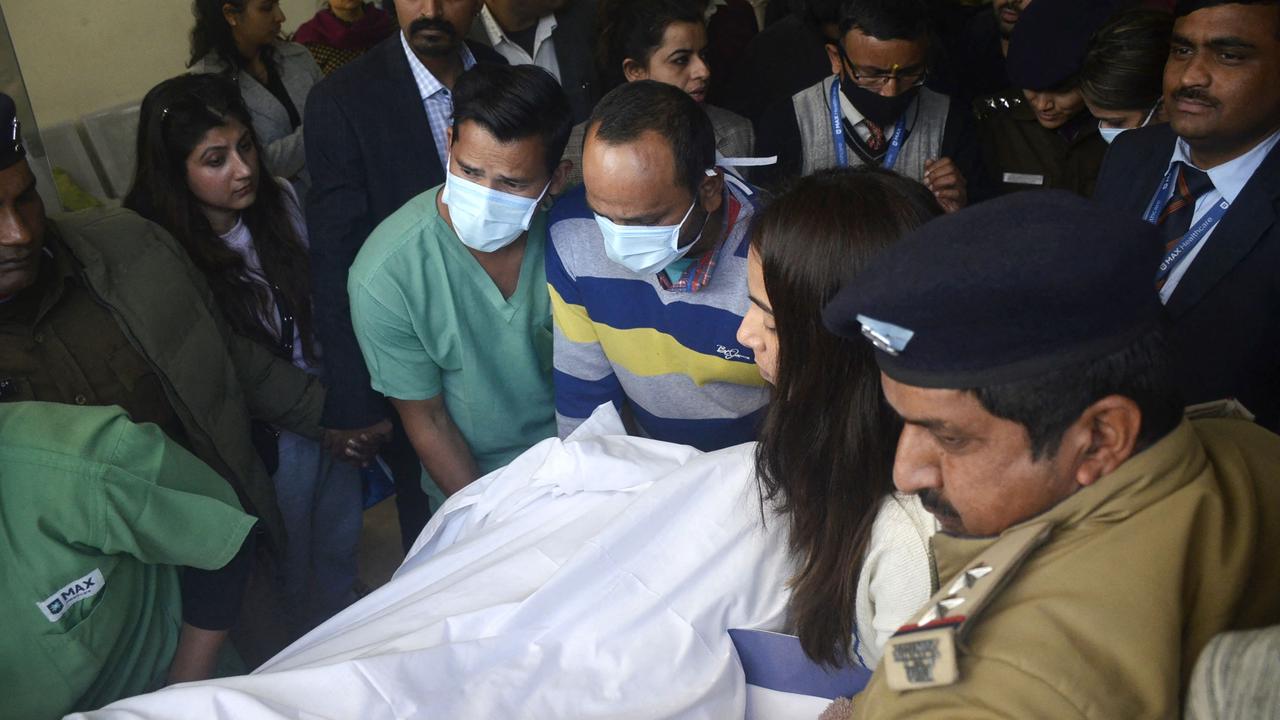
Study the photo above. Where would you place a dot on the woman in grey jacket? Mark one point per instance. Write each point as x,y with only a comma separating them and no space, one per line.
241,39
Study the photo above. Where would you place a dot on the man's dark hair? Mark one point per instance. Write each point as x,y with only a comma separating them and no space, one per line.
1186,7
822,12
631,110
514,102
886,19
1046,406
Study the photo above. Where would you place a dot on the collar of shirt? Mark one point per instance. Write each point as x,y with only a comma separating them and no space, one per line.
428,85
498,38
697,275
1229,178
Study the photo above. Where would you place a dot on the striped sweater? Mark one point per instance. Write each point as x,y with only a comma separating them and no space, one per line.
668,360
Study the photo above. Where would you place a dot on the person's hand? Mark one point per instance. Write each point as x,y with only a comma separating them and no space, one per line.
357,446
948,186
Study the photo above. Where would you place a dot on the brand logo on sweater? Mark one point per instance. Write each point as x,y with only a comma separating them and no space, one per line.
57,604
732,353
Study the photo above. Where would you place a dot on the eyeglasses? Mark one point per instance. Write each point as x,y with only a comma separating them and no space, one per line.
907,78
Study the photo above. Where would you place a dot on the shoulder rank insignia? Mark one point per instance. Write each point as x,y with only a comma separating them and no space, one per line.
1228,408
989,105
923,653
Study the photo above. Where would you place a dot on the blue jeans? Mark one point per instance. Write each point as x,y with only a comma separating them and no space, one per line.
321,504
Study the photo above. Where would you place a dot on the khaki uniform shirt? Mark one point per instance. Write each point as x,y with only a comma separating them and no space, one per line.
58,344
1143,567
1020,154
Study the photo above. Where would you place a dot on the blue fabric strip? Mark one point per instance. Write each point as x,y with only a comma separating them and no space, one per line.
776,661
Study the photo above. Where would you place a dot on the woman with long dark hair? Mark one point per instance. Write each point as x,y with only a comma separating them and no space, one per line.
666,41
825,456
241,39
1122,79
201,176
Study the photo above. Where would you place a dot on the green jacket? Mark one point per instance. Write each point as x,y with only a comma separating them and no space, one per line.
96,512
214,379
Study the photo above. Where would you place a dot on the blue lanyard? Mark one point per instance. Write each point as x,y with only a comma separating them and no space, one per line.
1194,236
837,133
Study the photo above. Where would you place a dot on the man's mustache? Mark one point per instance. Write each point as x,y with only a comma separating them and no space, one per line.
1194,94
933,502
438,24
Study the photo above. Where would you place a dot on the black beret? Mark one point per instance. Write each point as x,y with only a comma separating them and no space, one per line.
1006,290
1050,39
10,138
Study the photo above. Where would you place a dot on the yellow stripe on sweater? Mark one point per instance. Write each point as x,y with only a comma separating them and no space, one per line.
647,352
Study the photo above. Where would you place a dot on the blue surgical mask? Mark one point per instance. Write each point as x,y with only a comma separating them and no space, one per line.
484,219
644,249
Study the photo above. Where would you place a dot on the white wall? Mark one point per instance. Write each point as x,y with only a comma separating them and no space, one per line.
78,56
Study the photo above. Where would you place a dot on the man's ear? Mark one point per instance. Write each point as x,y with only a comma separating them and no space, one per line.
633,71
833,54
231,14
559,179
711,191
1106,434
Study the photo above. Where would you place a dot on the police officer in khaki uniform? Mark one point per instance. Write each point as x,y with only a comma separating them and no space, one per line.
1040,134
1093,539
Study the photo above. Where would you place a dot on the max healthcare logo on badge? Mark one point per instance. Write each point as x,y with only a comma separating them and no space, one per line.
57,604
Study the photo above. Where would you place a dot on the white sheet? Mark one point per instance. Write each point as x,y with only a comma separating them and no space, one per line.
591,578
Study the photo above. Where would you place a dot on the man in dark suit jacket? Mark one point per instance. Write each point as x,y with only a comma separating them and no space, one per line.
372,146
516,29
1220,280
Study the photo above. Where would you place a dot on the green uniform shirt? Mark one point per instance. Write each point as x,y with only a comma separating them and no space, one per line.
95,512
430,320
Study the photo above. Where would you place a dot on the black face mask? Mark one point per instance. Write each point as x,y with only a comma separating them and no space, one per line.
881,110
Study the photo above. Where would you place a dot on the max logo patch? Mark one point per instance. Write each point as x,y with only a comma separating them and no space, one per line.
57,604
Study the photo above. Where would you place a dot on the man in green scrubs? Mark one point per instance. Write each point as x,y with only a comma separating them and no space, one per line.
449,296
96,513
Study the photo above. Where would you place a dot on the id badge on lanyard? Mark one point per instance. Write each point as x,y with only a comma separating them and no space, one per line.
837,133
1194,236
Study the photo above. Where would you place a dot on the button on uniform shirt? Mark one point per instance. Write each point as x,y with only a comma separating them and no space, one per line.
430,320
96,512
436,98
544,51
58,344
1228,180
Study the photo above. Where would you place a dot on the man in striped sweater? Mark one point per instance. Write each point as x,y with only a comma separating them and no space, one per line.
647,269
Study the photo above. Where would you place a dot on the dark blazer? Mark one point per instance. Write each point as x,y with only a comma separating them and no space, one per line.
369,151
1225,311
574,40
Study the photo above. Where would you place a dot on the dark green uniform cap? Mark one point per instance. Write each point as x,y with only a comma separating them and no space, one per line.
1003,291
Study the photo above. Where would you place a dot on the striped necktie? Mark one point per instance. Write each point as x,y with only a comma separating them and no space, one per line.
1175,220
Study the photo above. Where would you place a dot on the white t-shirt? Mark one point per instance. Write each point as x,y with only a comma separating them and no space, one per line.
238,238
897,575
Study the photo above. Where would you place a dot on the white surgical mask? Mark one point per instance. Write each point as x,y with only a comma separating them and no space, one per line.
644,249
1110,134
484,219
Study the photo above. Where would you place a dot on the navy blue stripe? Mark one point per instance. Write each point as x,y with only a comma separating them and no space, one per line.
578,398
706,435
632,304
776,662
